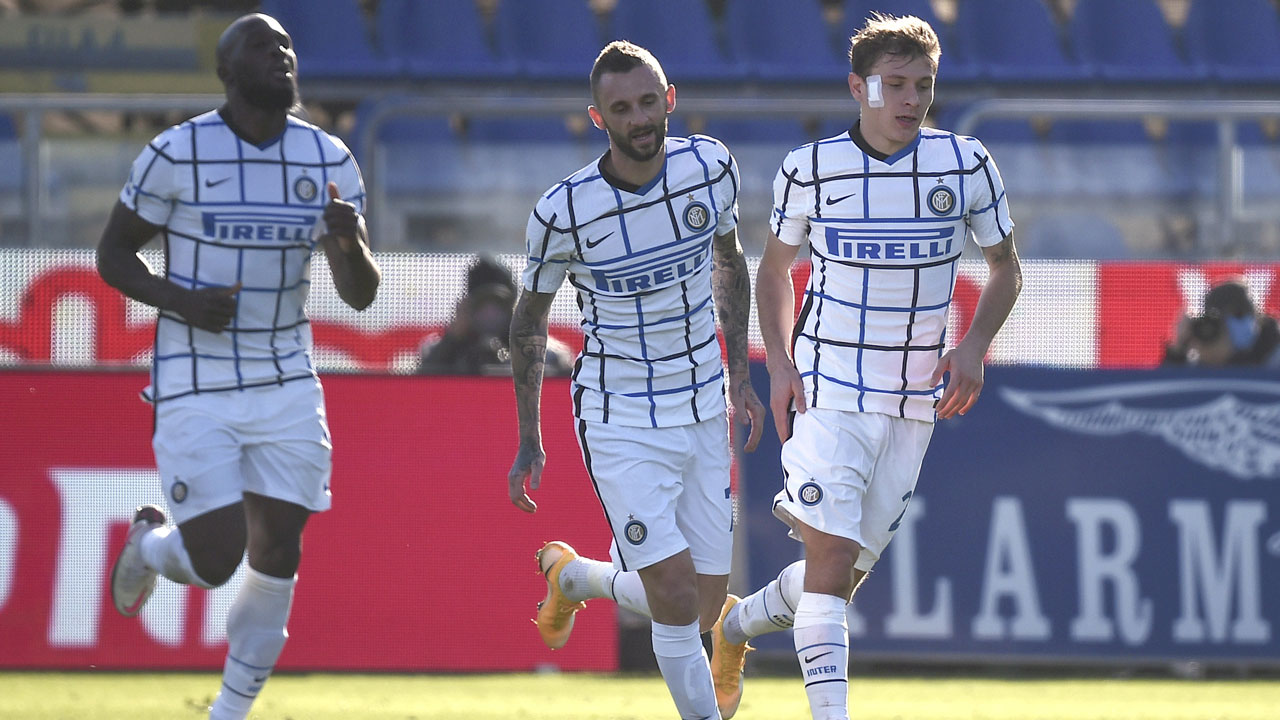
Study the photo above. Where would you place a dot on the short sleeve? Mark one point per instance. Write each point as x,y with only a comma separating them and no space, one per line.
791,202
988,212
549,250
728,195
347,176
151,188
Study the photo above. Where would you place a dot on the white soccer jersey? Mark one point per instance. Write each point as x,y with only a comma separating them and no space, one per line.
884,236
230,212
640,260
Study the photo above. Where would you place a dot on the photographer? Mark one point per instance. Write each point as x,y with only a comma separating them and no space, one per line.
1230,332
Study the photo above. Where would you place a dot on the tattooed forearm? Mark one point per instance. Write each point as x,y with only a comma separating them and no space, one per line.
528,359
732,287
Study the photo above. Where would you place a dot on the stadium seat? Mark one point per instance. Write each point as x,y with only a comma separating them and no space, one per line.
786,133
334,39
956,64
1129,40
560,39
1238,40
687,40
1098,132
1016,41
523,129
790,41
449,40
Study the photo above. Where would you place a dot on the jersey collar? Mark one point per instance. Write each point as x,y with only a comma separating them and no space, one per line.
855,134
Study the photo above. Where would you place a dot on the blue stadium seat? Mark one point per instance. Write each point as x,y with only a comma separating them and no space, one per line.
790,41
334,39
1098,132
786,133
1016,41
687,40
1239,40
1005,130
1129,40
559,39
448,39
533,128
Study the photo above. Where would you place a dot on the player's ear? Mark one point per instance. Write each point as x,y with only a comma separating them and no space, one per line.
857,87
596,118
671,98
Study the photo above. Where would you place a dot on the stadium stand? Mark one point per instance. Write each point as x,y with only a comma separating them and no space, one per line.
677,31
1015,41
1129,41
1238,39
335,39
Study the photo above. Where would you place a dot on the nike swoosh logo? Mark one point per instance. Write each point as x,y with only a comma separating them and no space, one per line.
833,201
260,679
592,243
212,183
815,657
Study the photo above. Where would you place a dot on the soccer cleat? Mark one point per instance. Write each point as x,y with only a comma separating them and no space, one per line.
555,612
131,580
727,660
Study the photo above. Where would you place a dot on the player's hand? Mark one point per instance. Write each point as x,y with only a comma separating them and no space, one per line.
785,387
530,460
210,309
745,407
964,364
342,221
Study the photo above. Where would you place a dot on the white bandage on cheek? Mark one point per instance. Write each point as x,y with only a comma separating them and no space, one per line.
874,97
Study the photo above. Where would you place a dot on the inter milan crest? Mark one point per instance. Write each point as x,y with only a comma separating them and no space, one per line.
636,532
305,188
941,200
810,493
696,216
179,491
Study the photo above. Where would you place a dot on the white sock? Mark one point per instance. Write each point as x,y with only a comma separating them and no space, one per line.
255,634
822,646
584,579
769,609
162,550
685,668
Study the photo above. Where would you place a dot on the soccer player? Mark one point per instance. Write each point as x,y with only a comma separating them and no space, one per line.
241,196
647,237
885,209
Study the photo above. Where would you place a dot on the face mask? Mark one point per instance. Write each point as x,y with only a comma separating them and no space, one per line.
1242,330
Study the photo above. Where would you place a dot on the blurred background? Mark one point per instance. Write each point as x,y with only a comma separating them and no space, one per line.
1140,144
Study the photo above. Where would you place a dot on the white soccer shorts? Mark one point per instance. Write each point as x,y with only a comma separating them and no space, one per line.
851,474
273,440
663,490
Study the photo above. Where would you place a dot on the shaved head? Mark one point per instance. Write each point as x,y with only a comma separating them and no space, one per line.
256,60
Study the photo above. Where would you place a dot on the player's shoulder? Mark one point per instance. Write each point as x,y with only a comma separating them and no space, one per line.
968,145
175,141
556,198
705,145
331,145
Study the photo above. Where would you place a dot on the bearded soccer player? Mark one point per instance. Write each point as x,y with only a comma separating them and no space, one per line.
646,235
857,380
241,197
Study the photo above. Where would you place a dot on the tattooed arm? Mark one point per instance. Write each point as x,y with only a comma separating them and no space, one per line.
528,359
732,287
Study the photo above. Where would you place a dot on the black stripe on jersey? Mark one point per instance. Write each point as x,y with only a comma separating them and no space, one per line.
871,346
240,386
323,165
241,330
156,155
195,165
546,242
191,331
573,221
817,194
586,460
817,325
202,240
915,176
644,205
911,326
796,329
902,174
275,317
995,198
284,174
786,197
688,316
690,352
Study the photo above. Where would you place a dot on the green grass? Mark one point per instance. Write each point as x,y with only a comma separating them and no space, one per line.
177,696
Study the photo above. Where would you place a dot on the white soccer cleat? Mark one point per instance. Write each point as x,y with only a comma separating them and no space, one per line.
131,580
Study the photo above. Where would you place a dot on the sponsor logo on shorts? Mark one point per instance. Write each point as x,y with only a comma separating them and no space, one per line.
305,188
179,491
810,493
636,532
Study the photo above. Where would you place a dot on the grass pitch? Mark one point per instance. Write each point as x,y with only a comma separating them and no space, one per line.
177,696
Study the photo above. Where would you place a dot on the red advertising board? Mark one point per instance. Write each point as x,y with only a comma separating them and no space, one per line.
422,564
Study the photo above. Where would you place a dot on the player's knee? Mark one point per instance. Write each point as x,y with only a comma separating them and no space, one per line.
279,559
217,563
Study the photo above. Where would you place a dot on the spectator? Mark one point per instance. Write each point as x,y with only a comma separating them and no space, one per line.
1230,332
476,341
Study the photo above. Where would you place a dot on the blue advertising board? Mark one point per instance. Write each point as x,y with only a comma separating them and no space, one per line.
1072,515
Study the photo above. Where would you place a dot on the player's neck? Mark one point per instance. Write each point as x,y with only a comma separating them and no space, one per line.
253,123
880,143
636,172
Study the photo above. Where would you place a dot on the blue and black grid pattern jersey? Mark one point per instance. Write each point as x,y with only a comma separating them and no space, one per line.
234,212
640,259
885,235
